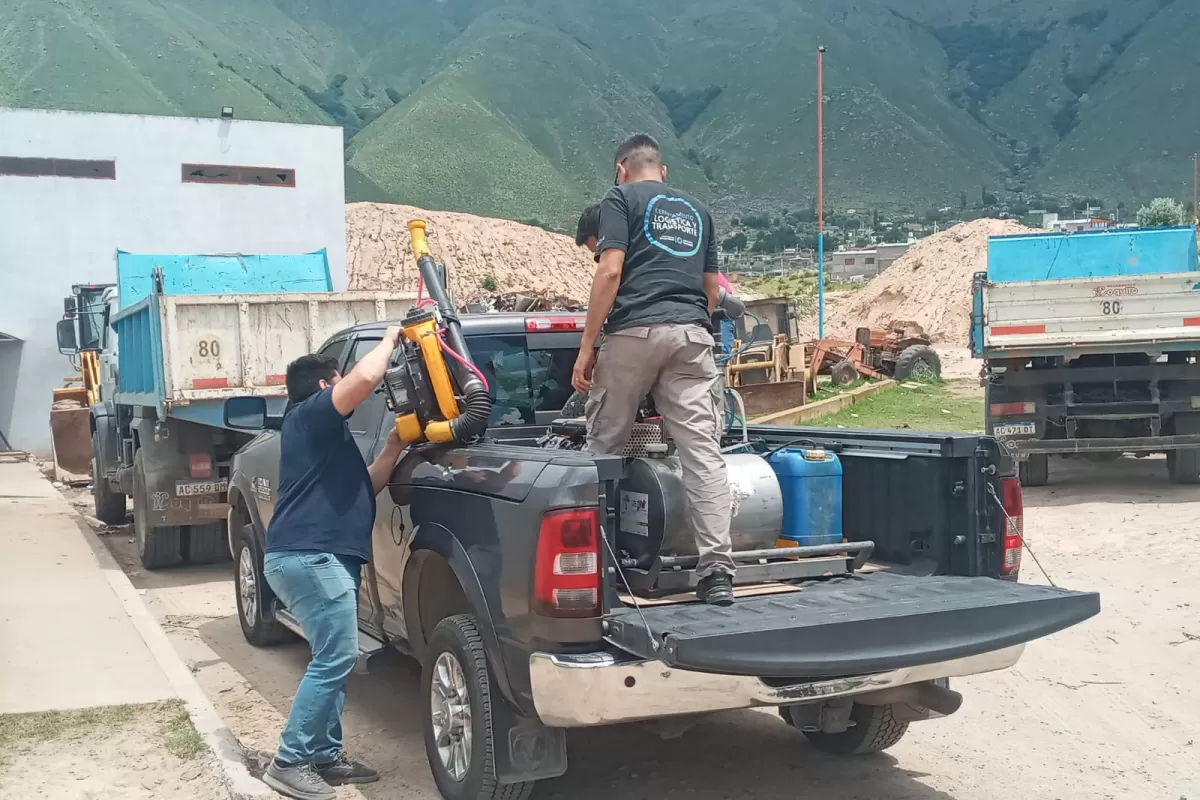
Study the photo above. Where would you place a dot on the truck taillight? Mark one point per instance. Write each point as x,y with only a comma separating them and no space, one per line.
566,577
545,324
1014,526
200,466
1012,409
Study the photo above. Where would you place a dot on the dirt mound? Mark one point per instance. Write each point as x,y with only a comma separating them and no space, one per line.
483,256
929,287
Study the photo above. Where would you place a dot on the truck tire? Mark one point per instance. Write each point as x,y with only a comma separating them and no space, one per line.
110,505
875,729
206,544
157,547
1035,470
254,596
919,362
461,748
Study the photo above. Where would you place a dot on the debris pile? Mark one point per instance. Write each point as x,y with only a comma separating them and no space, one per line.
494,263
928,288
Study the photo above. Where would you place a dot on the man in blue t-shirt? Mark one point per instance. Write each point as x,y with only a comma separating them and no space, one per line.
317,542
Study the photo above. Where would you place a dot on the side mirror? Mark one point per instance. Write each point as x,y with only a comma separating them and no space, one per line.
247,414
67,343
69,306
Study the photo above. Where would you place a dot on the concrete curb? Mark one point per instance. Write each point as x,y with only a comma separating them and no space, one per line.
793,416
227,753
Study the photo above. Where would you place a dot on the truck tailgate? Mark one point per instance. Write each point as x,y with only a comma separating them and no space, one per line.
1122,310
847,626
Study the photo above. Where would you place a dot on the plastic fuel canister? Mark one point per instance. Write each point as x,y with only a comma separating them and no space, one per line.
811,482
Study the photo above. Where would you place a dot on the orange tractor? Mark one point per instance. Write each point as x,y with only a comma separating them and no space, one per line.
900,353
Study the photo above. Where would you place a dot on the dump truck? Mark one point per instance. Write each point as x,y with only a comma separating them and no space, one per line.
179,335
1090,344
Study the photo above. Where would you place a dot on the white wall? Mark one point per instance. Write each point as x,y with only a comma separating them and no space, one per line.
55,231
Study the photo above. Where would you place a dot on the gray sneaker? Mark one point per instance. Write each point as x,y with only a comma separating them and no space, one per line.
300,782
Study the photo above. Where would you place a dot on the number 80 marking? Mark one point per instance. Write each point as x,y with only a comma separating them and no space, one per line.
207,349
1110,307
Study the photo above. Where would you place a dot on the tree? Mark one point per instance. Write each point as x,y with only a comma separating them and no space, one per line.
734,243
896,235
1160,212
962,199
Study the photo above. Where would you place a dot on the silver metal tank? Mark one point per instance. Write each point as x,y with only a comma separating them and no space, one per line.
653,513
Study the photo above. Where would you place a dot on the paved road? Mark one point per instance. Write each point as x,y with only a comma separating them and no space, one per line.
1105,710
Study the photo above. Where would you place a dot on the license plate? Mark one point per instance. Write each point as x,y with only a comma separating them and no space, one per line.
198,488
1015,429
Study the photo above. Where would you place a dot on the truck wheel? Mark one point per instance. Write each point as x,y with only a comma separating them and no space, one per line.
919,363
458,716
110,505
875,729
1035,470
206,544
157,547
254,595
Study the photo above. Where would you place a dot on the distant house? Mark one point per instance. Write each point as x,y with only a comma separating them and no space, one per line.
844,265
1050,221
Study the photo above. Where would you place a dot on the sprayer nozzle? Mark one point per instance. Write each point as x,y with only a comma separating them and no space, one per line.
416,229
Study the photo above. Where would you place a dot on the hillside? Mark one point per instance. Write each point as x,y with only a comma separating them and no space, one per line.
512,109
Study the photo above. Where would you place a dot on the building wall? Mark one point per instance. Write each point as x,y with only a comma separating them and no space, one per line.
58,231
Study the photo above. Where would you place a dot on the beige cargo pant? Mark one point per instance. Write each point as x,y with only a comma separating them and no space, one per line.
674,364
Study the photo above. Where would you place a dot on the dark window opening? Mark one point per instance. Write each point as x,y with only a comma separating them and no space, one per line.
244,176
870,261
57,167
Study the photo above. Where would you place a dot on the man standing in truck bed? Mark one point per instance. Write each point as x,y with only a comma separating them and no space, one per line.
654,291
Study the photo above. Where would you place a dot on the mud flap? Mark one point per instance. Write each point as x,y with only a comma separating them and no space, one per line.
535,751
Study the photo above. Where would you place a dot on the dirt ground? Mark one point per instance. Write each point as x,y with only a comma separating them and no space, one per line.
115,753
1105,710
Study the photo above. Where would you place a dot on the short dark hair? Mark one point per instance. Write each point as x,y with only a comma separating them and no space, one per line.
589,225
305,374
639,150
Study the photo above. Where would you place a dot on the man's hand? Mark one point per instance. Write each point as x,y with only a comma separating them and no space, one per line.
393,334
581,377
394,441
384,464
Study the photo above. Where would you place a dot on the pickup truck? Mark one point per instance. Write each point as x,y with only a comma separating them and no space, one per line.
464,579
1089,342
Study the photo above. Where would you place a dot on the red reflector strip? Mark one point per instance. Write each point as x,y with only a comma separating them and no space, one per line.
276,380
1191,322
1017,330
1012,409
540,324
210,383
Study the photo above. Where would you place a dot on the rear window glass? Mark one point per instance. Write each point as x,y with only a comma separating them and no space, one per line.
522,381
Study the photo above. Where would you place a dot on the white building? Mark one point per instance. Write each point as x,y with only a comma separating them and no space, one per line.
76,187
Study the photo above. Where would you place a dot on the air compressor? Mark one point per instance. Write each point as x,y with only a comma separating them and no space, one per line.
433,401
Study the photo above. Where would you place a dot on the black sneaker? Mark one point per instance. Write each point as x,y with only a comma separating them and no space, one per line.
299,781
344,770
716,589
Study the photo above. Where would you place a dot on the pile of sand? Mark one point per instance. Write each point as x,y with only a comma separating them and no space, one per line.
929,286
483,256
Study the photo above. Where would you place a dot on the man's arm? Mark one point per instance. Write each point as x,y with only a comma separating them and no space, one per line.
712,268
610,258
357,386
604,293
712,288
382,467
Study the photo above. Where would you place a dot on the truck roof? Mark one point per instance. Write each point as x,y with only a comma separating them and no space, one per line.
502,322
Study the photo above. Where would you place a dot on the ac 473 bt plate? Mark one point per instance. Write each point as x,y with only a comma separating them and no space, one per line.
1015,429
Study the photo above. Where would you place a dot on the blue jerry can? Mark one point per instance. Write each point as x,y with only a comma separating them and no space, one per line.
811,482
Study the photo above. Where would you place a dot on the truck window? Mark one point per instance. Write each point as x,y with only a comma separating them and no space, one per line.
522,380
335,349
365,421
361,348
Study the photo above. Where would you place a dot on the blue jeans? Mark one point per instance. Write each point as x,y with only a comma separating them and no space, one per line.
321,591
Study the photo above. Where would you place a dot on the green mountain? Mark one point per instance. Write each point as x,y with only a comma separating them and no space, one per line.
513,109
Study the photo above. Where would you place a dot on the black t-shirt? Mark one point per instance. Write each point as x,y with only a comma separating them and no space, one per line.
669,244
325,500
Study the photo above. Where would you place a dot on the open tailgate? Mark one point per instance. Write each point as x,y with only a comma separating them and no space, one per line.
850,626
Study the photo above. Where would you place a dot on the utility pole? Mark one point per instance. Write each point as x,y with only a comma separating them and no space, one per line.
821,192
1196,188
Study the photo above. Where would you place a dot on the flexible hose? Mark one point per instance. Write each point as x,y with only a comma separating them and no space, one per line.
476,411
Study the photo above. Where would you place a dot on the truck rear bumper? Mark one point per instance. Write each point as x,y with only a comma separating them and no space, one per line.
1144,444
582,690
